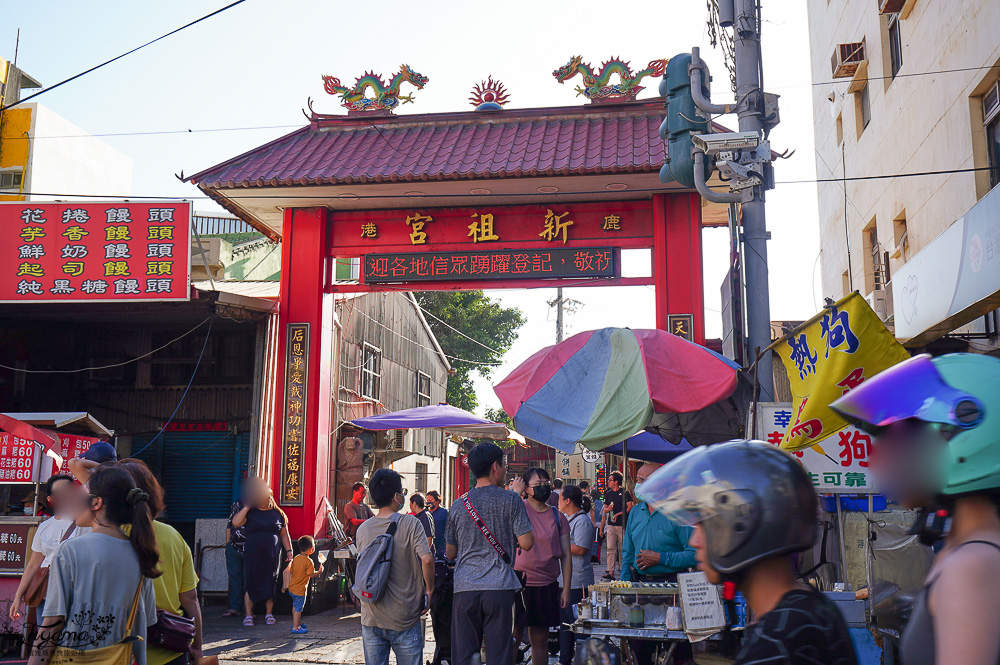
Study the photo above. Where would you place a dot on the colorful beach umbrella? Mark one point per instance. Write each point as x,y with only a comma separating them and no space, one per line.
600,387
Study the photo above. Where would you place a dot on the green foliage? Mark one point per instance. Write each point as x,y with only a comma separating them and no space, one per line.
484,320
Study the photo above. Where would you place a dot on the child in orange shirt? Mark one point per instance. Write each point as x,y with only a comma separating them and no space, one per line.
302,570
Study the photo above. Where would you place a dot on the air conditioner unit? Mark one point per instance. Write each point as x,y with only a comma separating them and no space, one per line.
846,59
399,440
890,6
881,301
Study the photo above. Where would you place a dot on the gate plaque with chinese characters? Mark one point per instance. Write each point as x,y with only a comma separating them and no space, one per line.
296,385
583,262
71,252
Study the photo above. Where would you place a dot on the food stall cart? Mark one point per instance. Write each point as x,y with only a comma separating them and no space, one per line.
26,463
666,613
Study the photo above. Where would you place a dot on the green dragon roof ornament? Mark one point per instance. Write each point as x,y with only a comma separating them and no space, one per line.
597,86
386,97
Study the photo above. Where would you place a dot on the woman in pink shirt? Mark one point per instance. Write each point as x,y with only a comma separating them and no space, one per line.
540,602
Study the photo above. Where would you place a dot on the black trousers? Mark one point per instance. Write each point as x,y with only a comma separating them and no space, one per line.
479,614
567,638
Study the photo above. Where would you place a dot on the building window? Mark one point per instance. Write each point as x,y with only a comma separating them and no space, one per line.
864,109
423,389
875,275
895,45
900,238
227,360
371,371
10,179
420,481
991,121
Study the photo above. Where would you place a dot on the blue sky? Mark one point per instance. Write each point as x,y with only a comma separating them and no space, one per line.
256,64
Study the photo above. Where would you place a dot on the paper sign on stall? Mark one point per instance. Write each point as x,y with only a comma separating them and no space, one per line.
702,606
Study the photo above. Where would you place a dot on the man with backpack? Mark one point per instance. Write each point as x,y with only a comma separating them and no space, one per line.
395,576
485,527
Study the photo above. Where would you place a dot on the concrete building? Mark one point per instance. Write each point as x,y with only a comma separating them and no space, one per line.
909,87
42,152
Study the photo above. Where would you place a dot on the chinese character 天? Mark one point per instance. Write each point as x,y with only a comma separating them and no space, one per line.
836,330
554,226
482,229
417,222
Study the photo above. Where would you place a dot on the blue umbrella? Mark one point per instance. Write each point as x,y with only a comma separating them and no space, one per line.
649,447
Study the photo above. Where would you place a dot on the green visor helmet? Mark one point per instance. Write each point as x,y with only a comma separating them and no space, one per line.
751,499
959,392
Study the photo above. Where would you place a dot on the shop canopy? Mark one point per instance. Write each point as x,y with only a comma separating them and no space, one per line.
601,386
60,419
649,447
449,419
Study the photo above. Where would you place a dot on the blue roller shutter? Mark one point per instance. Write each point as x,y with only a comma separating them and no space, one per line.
199,471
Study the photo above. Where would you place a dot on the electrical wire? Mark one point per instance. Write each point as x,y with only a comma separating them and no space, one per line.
453,329
204,345
499,195
121,364
108,62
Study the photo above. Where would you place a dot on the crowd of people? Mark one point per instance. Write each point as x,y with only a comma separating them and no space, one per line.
524,550
105,576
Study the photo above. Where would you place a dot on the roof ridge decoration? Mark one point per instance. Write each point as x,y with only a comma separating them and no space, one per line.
489,95
597,85
386,96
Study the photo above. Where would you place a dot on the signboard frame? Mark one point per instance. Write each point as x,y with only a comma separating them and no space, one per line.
185,240
294,349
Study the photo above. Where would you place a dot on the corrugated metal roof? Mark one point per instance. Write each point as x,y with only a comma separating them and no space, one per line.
268,290
593,139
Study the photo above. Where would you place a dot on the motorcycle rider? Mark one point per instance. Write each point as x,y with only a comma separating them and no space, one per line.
936,426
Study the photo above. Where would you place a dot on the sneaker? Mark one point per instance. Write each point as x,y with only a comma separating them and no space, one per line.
301,630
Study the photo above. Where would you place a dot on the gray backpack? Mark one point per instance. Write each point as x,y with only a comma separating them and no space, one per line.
374,561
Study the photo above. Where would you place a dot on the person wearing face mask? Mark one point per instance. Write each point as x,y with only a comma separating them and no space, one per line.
936,446
66,501
393,623
541,601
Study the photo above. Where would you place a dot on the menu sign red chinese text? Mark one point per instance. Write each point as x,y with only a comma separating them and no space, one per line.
296,384
584,262
73,446
17,459
68,252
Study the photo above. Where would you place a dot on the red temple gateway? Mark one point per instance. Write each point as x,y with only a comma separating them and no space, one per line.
481,199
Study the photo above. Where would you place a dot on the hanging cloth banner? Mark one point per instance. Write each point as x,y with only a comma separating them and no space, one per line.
826,357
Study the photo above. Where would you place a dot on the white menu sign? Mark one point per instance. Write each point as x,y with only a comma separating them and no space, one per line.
701,603
837,465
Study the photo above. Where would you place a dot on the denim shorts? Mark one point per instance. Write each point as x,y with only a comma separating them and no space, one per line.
298,602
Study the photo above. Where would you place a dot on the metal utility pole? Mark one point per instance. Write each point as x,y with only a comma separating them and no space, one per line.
743,159
563,306
559,315
749,80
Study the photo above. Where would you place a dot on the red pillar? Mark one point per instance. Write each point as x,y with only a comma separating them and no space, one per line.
303,301
677,260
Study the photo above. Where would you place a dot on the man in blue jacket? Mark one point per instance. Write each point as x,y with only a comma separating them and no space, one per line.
655,549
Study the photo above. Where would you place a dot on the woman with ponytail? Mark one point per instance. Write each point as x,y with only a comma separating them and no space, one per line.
94,578
177,588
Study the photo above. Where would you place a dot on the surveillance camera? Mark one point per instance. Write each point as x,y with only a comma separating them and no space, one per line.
716,143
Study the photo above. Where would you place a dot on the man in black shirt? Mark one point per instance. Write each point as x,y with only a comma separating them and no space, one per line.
752,507
617,502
